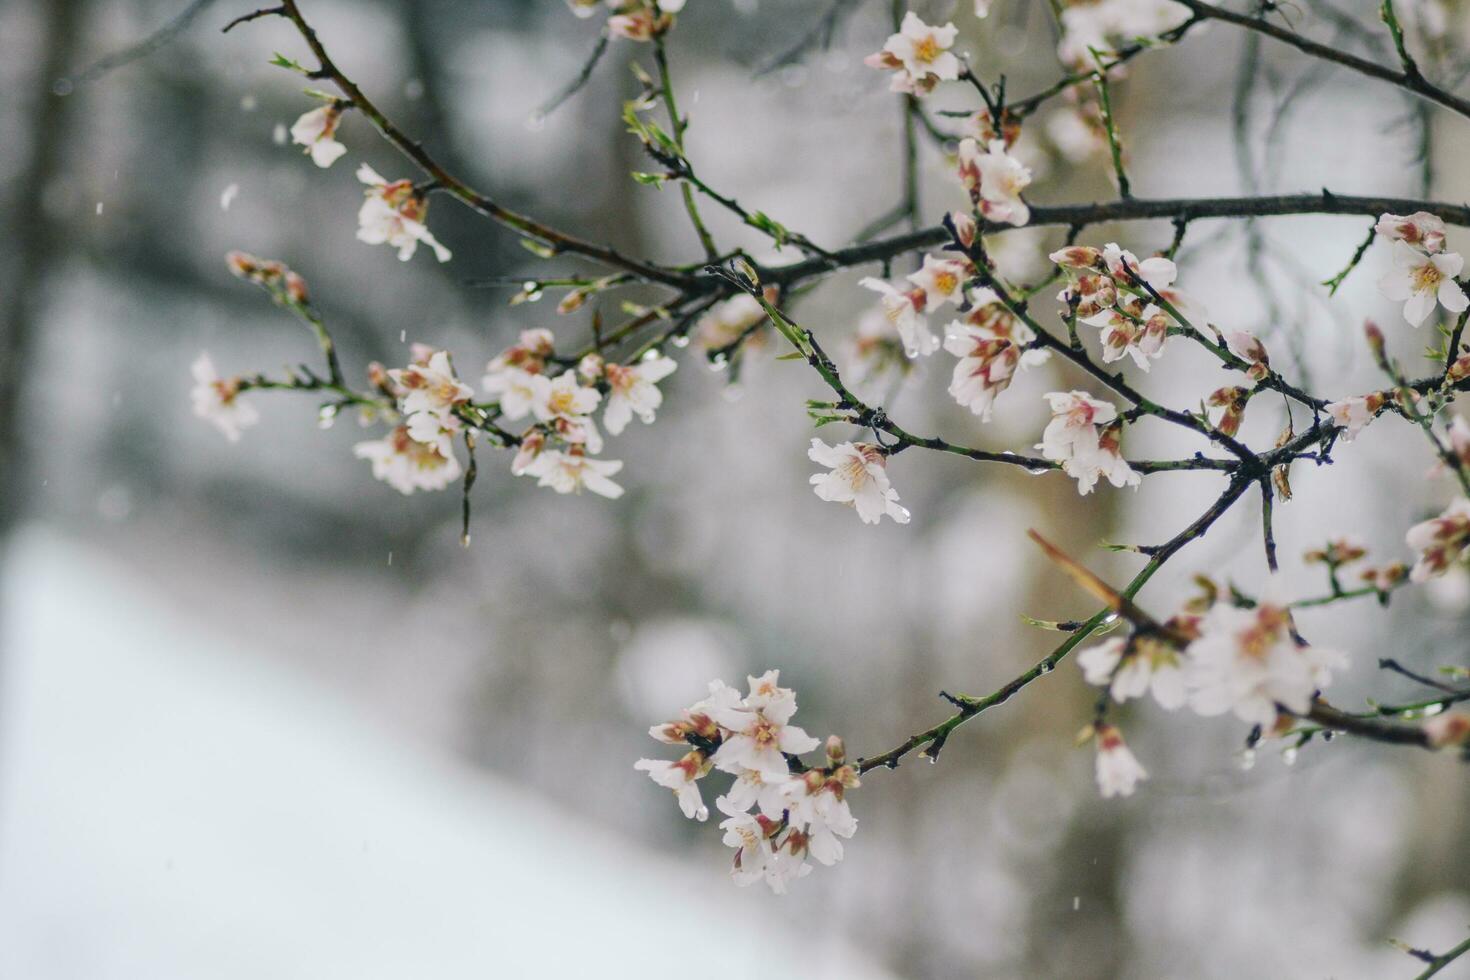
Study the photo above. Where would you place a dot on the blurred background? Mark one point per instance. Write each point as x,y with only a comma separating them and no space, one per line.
262,716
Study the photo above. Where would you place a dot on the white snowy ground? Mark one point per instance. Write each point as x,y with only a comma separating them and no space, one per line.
171,810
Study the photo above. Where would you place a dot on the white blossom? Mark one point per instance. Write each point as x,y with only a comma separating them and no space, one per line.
683,778
995,180
513,388
992,344
406,464
1440,541
393,213
572,471
942,280
217,400
1082,437
1247,661
1421,280
1354,413
758,732
1420,228
633,390
316,130
918,55
1131,668
858,477
905,310
1118,771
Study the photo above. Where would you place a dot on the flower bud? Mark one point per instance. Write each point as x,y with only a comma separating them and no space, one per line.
836,751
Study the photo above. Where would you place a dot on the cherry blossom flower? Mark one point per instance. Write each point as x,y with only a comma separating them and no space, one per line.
1124,266
1246,346
1130,667
1118,771
393,213
1247,661
315,131
877,350
995,180
1420,281
1083,439
1441,541
683,778
633,390
513,389
992,344
1420,228
918,55
430,386
568,405
217,400
1140,335
1231,401
857,478
573,470
942,280
905,310
753,788
750,835
406,464
532,444
758,731
817,806
1354,413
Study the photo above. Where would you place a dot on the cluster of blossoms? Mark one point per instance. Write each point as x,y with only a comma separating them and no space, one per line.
779,813
418,453
992,344
1102,26
1113,290
1423,274
1246,660
1083,435
635,20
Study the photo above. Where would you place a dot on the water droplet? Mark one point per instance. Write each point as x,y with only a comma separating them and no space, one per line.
464,539
63,87
1431,710
718,363
99,207
652,354
1288,756
536,122
390,559
1076,902
327,416
247,103
733,393
279,134
227,196
680,341
1047,667
403,336
1246,760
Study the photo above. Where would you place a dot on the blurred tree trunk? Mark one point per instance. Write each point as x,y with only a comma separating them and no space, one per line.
35,242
